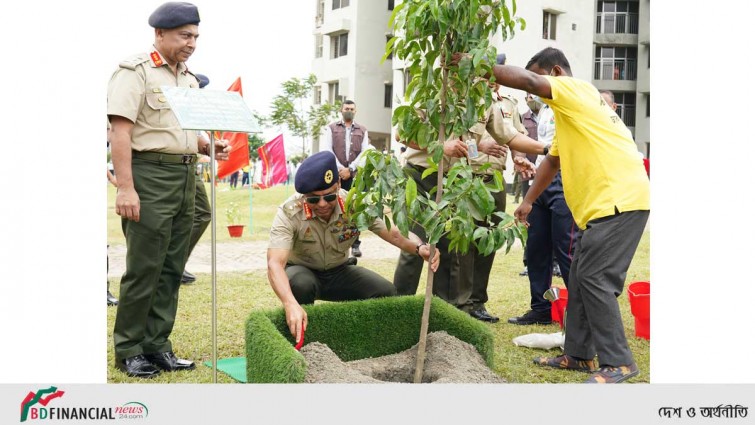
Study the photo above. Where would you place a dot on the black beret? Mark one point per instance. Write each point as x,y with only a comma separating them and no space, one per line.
203,80
501,59
318,172
173,15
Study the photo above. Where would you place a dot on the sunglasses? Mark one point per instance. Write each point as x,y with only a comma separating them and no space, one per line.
316,199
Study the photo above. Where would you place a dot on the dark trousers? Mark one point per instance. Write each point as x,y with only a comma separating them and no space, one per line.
202,214
234,179
602,255
244,179
477,266
446,282
551,235
343,283
156,251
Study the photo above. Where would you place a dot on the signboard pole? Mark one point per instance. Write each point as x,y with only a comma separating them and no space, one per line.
211,110
213,262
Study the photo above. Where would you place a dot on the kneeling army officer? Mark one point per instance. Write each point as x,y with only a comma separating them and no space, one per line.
310,239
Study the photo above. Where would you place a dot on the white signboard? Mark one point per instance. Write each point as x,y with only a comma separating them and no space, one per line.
212,110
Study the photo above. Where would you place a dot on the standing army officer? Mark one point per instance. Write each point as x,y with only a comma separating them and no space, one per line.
154,160
310,238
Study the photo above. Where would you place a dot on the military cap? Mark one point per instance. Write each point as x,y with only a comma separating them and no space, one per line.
174,14
318,172
203,80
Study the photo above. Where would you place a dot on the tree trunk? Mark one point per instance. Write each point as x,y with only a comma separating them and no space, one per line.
421,347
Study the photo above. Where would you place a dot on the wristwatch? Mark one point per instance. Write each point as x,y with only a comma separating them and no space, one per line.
546,148
418,247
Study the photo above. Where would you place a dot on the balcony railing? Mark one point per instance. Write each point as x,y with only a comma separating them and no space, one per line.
626,113
616,69
617,23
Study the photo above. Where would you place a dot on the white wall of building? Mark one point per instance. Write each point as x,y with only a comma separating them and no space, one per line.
361,76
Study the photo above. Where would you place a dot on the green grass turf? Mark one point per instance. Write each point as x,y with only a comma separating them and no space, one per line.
353,330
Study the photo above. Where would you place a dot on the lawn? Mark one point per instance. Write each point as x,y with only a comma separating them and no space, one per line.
240,293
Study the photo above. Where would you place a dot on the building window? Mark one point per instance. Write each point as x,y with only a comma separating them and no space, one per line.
615,63
387,39
318,45
333,96
618,17
647,105
388,96
549,25
625,106
339,45
390,4
317,95
320,16
648,56
337,4
647,150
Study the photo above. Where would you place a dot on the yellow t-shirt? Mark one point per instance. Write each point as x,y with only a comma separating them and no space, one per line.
602,169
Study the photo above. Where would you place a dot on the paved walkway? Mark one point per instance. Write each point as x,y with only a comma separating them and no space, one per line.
244,256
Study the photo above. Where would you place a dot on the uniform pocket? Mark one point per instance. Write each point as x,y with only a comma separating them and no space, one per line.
158,113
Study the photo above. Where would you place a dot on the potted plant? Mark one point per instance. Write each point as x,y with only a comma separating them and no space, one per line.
232,215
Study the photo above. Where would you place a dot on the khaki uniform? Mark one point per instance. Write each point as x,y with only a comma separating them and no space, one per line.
317,266
163,169
454,280
504,118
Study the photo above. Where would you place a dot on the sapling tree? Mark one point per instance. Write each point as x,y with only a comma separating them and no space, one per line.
444,99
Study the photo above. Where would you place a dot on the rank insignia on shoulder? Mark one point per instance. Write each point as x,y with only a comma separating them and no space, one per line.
292,207
132,62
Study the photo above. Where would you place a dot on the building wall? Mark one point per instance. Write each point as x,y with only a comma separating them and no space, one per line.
361,76
642,126
640,86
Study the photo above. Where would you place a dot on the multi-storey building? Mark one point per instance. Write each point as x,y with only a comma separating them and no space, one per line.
608,44
349,39
622,62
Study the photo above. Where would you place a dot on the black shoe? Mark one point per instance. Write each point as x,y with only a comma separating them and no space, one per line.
188,277
483,315
524,272
111,300
556,270
168,361
137,366
532,318
355,251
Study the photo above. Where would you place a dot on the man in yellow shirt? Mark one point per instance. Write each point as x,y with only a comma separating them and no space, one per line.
608,192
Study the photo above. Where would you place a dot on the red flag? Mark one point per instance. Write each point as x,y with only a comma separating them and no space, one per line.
239,142
273,160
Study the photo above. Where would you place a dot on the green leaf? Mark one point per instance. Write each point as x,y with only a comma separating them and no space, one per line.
465,67
411,191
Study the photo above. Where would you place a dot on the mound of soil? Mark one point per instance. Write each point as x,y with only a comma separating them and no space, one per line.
448,360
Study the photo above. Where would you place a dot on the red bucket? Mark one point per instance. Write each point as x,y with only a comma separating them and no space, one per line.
559,306
639,301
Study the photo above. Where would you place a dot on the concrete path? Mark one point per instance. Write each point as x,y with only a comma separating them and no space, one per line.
244,256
